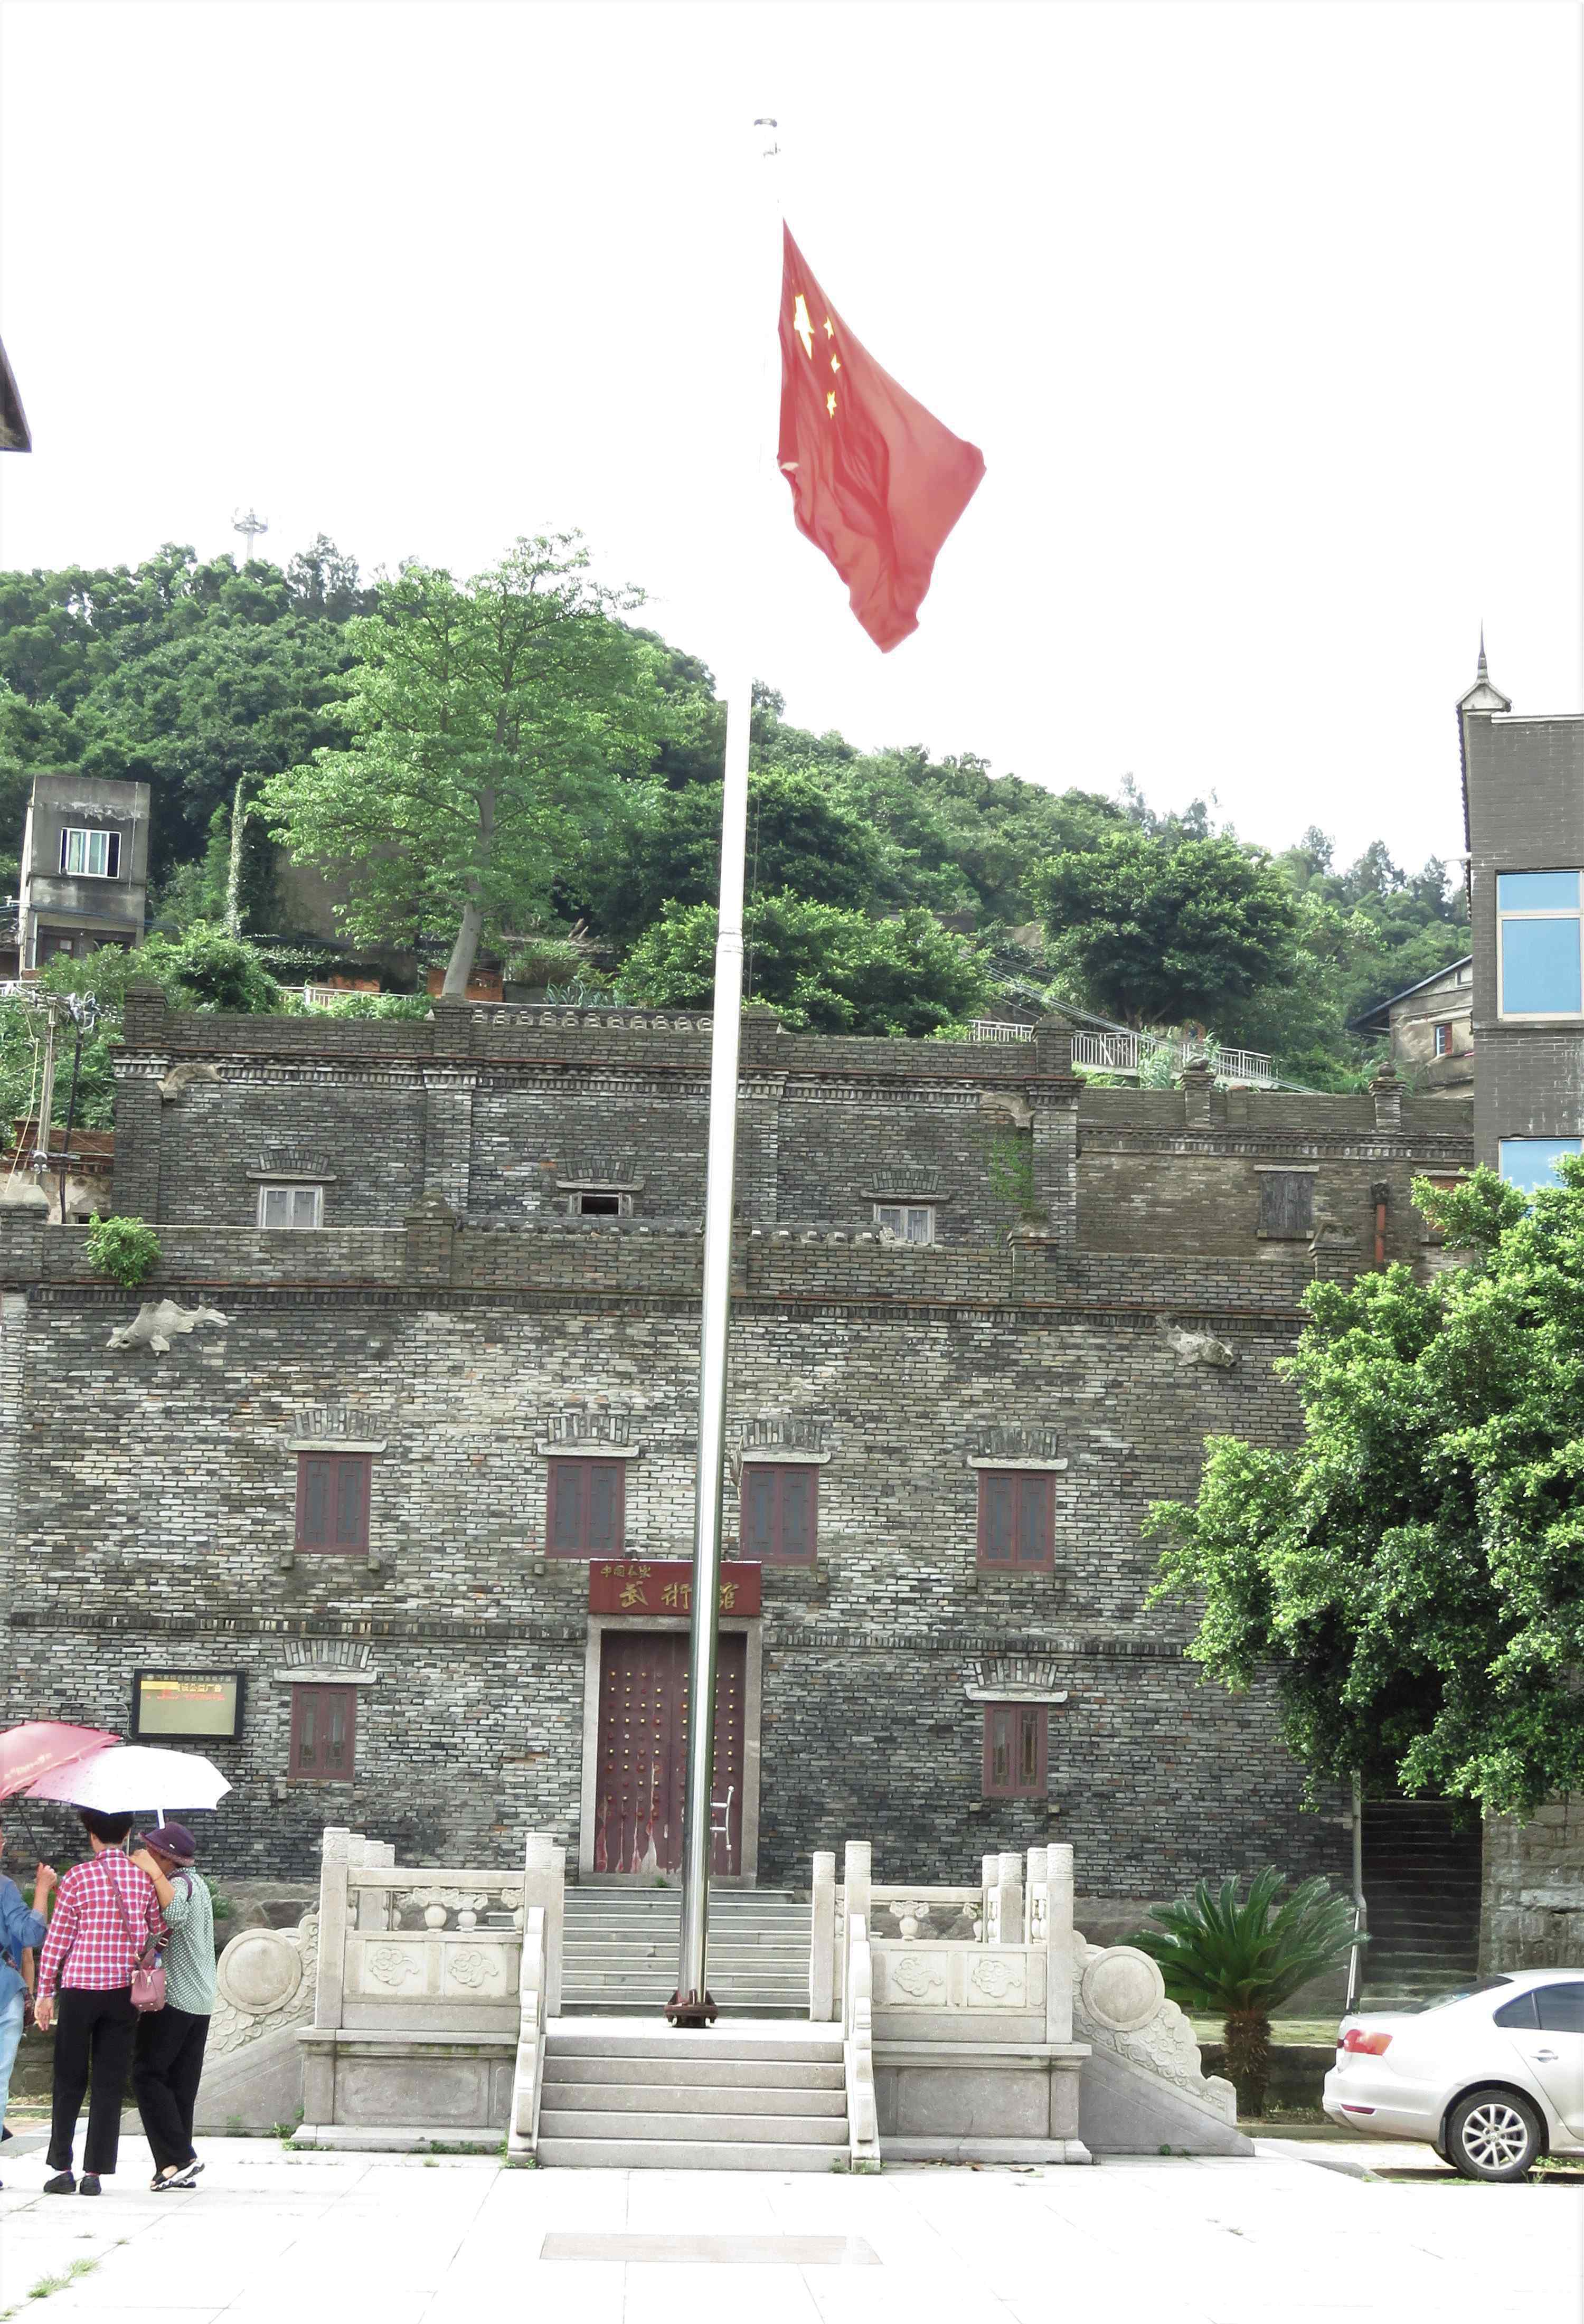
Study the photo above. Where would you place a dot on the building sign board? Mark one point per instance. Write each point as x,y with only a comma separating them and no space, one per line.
646,1585
190,1703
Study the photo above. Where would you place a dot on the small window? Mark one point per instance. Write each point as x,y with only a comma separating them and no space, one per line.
586,1512
1530,1162
292,1206
1538,960
333,1501
1017,1520
779,1500
907,1221
1517,2016
1286,1205
1016,1737
1559,2008
90,854
324,1734
1443,1040
596,1206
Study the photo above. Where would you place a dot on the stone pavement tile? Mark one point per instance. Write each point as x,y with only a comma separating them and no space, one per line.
595,2294
702,2295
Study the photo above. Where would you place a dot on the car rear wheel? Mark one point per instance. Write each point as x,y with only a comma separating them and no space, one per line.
1494,2133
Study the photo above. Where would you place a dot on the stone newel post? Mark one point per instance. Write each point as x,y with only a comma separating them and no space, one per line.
333,1855
544,1882
822,1946
1058,1938
855,1875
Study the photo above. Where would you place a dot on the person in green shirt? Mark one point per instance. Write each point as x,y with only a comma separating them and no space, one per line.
169,2061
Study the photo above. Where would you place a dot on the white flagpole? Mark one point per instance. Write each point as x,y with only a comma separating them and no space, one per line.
690,2004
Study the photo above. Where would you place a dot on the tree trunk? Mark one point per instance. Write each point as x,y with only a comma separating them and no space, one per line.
463,952
1247,2034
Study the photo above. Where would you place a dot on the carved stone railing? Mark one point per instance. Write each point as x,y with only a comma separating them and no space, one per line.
863,2144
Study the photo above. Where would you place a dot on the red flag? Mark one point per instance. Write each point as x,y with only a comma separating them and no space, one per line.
877,482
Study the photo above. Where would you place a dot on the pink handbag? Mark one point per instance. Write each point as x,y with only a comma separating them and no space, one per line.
148,1971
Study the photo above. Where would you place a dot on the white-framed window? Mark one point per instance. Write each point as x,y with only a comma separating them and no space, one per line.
90,854
1530,1162
1538,956
292,1206
1443,1040
907,1221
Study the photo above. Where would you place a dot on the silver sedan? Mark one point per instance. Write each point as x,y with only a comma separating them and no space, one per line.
1491,2078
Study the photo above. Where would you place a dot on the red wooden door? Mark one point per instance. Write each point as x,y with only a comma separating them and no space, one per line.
643,1751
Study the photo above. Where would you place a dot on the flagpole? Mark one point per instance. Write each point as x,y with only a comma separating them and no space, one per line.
690,2004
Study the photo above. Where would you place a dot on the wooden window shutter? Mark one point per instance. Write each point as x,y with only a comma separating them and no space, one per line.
1034,1504
796,1546
1286,1204
996,1499
759,1512
604,1506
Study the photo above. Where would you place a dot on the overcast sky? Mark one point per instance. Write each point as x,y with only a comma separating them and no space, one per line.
1266,317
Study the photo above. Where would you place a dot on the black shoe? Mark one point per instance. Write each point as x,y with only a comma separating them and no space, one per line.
62,2183
89,2183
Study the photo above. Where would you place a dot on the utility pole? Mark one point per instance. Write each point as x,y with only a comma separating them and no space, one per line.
250,526
46,1091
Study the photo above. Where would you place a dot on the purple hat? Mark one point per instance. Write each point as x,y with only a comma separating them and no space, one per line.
172,1840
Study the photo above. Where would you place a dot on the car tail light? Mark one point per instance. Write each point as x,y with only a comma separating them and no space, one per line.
1371,2045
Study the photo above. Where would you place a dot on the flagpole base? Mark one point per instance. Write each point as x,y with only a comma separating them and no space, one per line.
689,2009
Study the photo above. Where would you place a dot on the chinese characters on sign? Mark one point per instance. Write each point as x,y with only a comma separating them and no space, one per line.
630,1585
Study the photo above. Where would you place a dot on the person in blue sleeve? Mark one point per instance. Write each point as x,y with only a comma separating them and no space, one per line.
20,1931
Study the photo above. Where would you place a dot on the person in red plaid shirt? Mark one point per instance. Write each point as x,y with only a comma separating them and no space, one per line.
106,1911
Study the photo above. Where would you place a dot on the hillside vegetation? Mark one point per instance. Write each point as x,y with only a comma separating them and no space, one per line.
559,798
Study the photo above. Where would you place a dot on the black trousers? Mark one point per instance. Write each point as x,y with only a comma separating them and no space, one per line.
165,2073
93,2034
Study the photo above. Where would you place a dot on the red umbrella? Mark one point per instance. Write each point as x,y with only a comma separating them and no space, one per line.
39,1747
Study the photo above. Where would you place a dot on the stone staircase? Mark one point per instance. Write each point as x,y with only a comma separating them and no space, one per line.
1421,1880
619,1956
620,2095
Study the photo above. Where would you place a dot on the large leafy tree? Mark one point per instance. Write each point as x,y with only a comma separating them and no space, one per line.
489,722
821,969
1161,934
1413,1572
664,846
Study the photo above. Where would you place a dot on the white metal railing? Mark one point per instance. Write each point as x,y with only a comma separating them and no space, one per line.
325,996
1128,1052
996,1028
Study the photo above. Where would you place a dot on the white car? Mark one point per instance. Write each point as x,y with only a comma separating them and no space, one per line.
1492,2077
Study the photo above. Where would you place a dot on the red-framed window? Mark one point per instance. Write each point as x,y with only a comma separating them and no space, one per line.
1015,1742
585,1514
1017,1520
333,1501
324,1734
779,1504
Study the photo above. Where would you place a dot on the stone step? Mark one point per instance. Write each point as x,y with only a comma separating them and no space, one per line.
675,2074
587,2037
617,2154
688,2098
689,2130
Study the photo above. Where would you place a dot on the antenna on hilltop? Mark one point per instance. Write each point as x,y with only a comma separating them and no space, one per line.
250,526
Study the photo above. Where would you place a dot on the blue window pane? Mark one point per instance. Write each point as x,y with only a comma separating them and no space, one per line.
1530,1162
1540,968
1537,891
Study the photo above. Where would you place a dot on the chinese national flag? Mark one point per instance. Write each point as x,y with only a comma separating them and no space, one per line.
877,482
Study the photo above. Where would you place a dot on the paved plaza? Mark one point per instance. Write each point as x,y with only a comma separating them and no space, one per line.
445,2240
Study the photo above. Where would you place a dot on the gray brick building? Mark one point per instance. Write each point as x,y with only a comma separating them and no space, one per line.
394,1532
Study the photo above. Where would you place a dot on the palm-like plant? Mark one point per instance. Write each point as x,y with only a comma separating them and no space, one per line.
1244,1960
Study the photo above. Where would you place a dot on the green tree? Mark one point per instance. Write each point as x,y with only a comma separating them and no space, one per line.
1162,934
1243,1957
489,720
1413,1572
664,847
822,970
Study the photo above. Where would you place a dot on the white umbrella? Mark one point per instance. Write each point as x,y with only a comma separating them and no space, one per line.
135,1778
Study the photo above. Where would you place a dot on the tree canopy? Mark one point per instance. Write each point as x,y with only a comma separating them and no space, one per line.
489,720
1413,1572
821,969
1160,934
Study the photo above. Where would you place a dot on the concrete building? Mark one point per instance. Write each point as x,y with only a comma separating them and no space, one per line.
85,867
1430,1028
397,1522
1523,815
